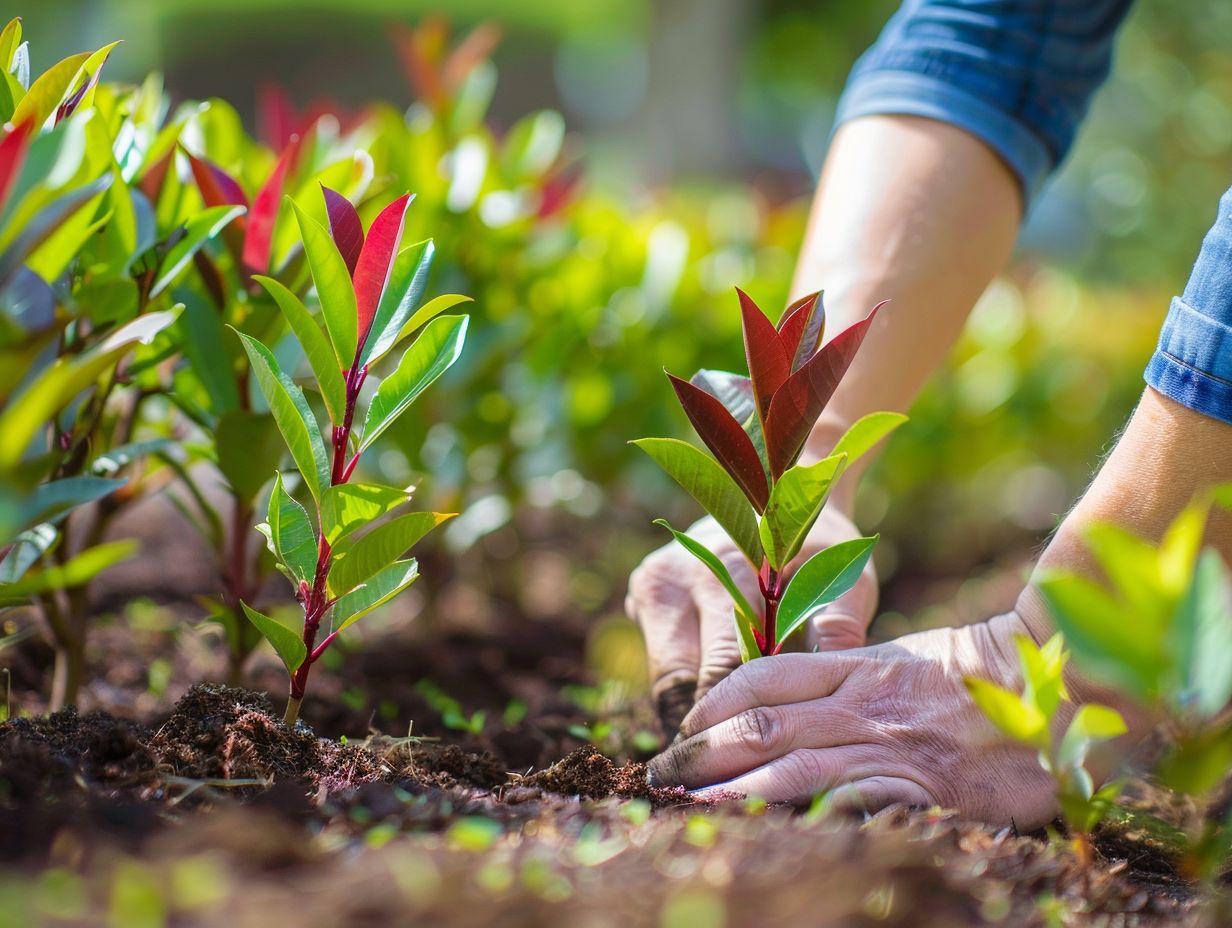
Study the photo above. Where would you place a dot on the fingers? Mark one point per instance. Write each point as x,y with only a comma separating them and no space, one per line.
754,738
769,681
872,794
844,623
664,608
801,774
720,650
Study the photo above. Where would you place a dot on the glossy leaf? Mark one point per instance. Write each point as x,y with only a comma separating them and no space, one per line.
429,356
866,432
802,327
798,404
357,558
26,551
333,283
711,486
734,391
201,338
49,502
795,503
113,460
293,415
407,280
380,589
13,148
726,439
745,618
259,239
1204,637
822,579
316,347
47,91
85,82
287,641
344,226
46,222
376,262
351,506
1091,724
422,316
291,534
769,362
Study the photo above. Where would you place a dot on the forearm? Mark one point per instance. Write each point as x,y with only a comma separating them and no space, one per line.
915,211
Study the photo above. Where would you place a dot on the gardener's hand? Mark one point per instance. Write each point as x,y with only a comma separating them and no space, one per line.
889,724
686,615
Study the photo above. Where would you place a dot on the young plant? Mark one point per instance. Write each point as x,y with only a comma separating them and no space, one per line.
756,427
368,286
1159,630
1028,719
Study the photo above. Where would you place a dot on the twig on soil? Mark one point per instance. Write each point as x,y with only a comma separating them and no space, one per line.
193,785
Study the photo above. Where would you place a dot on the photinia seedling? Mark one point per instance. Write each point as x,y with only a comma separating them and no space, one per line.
756,427
368,286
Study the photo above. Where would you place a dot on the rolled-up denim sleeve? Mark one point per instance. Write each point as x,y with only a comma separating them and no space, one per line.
1018,74
1193,362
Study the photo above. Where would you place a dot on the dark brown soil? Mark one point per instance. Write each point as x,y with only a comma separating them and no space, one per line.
589,774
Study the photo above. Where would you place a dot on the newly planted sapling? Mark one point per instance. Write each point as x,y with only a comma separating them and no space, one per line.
754,487
368,287
1028,719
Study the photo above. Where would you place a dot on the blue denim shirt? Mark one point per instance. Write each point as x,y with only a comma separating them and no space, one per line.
1020,74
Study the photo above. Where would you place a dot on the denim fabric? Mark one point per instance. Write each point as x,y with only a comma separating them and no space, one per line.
1018,74
1193,363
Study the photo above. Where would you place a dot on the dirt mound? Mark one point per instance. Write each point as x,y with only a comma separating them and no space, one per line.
589,774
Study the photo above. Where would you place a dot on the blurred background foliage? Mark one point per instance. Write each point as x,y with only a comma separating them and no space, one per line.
697,127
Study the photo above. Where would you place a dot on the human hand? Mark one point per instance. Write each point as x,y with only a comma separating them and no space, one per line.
686,615
881,725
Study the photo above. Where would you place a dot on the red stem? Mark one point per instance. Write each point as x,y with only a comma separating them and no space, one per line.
317,602
772,585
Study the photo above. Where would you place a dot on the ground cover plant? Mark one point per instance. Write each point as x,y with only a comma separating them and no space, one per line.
754,487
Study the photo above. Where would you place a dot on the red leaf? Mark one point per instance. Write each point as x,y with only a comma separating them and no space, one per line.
13,149
260,235
802,327
797,406
344,226
152,180
726,439
415,48
276,116
218,188
769,364
376,260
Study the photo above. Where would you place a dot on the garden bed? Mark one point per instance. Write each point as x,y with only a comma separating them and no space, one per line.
215,813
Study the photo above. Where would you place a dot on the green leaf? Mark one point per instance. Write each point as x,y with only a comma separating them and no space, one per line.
383,586
48,90
64,380
200,229
351,506
199,335
743,613
1093,624
249,448
1132,565
430,355
287,641
51,501
1204,638
822,579
866,432
291,534
1043,672
796,501
294,417
407,280
76,572
334,288
316,347
26,551
357,559
1198,763
709,484
1019,720
1091,724
119,457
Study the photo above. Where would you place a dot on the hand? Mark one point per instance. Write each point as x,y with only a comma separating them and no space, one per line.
686,615
888,724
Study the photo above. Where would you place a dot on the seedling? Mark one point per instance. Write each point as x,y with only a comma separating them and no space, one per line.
368,287
451,712
756,427
1159,630
1028,719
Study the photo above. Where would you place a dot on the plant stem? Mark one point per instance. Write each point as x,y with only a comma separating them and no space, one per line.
317,602
772,585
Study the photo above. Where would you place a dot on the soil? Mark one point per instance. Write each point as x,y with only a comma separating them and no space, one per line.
205,810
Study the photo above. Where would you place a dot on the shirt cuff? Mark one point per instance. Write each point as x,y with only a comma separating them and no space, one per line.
1193,363
908,93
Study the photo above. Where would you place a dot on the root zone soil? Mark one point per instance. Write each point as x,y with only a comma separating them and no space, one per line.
216,814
